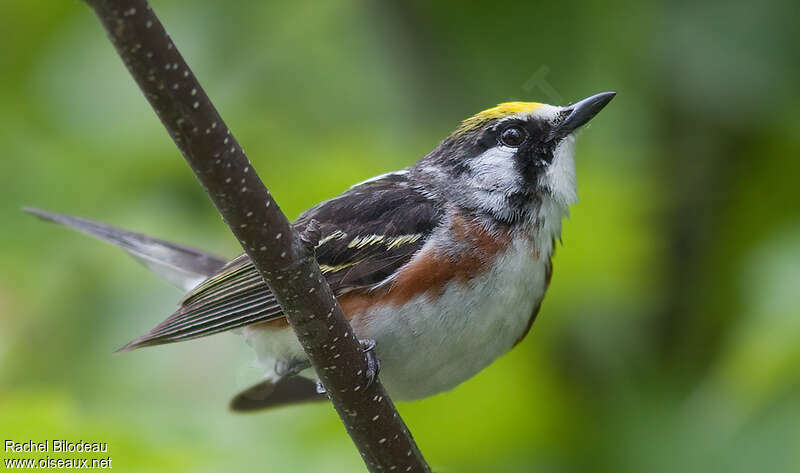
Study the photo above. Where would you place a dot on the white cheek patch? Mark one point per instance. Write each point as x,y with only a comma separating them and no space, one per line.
494,170
560,175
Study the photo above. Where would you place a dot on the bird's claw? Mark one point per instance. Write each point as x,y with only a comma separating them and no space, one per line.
373,365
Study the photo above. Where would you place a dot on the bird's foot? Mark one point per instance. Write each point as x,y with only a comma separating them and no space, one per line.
373,365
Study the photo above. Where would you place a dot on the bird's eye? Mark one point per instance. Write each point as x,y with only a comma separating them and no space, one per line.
513,136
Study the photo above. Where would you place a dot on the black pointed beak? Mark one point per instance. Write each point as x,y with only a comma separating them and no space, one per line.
578,114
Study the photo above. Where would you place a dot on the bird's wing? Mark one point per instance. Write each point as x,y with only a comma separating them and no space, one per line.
180,265
368,233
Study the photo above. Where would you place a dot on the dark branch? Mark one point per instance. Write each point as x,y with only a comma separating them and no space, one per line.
283,258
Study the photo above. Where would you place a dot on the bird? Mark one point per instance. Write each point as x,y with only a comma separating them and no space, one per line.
440,268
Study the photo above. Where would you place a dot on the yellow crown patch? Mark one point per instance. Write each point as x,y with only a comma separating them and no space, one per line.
500,111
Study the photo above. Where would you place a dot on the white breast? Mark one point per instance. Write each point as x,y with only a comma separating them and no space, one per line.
426,346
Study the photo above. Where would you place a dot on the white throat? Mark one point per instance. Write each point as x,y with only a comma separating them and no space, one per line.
560,175
559,179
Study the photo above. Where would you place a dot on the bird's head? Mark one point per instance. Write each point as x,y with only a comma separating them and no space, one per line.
504,158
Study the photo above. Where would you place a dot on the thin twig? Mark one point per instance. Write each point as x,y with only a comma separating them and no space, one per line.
284,259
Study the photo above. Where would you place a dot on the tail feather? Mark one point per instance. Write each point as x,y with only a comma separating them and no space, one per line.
268,394
180,265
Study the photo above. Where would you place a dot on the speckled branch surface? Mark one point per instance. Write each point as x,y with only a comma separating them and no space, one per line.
284,258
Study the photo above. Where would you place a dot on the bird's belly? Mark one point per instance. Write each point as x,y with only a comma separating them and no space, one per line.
429,344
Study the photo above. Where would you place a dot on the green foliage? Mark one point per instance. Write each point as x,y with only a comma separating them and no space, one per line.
668,340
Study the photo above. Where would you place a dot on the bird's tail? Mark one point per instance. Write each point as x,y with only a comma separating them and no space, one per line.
269,393
180,265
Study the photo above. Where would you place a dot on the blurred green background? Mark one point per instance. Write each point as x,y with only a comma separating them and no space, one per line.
670,337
